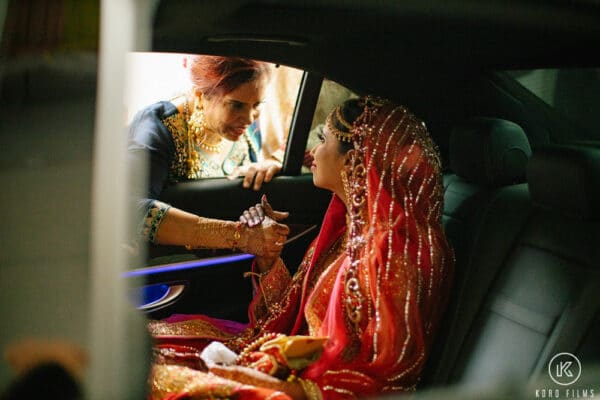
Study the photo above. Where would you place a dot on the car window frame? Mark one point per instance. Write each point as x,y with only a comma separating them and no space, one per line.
306,104
552,119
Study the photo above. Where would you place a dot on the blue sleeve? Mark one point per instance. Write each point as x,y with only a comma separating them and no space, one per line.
151,144
255,136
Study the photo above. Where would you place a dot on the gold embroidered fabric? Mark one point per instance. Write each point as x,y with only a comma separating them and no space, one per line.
169,379
183,168
196,327
272,287
379,301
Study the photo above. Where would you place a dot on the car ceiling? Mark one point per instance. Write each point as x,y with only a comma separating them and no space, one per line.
374,46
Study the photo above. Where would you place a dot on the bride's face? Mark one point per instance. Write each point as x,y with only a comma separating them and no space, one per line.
328,163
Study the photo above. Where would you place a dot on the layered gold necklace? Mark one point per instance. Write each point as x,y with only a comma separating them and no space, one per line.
197,131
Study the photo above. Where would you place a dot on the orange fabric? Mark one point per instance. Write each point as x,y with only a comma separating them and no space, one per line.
398,252
404,267
172,382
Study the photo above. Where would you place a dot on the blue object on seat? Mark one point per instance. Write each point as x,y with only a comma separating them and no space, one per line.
148,294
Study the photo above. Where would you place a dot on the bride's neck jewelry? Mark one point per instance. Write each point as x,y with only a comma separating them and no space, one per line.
198,133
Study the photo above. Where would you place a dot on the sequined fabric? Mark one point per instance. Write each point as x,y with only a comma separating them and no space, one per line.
392,287
169,379
192,328
397,261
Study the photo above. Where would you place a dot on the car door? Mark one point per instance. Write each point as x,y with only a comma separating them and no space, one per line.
212,282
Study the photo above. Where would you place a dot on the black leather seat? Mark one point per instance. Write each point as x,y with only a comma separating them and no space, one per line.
486,154
533,275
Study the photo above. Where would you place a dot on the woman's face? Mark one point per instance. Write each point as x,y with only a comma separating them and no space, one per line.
328,163
231,114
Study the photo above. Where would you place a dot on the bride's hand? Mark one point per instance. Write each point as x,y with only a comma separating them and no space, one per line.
263,236
256,215
263,220
265,240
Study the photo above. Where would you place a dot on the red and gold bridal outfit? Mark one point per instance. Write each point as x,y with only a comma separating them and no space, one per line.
378,299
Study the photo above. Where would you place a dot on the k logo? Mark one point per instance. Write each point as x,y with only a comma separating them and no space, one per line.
564,369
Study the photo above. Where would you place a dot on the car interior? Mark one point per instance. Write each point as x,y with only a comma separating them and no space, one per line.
521,178
510,93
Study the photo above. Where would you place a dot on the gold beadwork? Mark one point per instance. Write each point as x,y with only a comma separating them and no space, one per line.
341,135
197,131
255,346
346,185
195,327
354,298
341,120
190,161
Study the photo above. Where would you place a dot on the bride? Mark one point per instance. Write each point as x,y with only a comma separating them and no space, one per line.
359,316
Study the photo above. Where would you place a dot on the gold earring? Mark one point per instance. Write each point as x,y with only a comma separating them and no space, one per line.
199,134
196,124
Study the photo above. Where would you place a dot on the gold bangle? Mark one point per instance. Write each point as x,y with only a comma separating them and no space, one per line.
237,235
190,246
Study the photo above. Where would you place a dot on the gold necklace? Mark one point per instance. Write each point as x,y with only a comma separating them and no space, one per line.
211,148
198,132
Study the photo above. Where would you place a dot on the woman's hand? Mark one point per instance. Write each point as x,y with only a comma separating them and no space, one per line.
252,377
263,214
258,173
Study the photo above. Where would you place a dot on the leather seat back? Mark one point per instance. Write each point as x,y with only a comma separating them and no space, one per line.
534,272
486,154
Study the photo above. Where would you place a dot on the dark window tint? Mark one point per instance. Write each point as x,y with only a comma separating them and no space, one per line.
575,93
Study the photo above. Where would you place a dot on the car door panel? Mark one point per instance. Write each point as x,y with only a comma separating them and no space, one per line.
213,280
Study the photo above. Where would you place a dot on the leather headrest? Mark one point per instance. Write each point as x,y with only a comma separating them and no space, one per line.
489,151
566,179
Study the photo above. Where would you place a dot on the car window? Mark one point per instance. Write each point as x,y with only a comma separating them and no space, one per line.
331,94
575,93
157,77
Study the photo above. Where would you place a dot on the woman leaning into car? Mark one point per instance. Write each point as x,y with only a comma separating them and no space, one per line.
208,132
359,316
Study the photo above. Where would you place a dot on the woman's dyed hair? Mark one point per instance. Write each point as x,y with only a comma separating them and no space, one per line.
216,76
